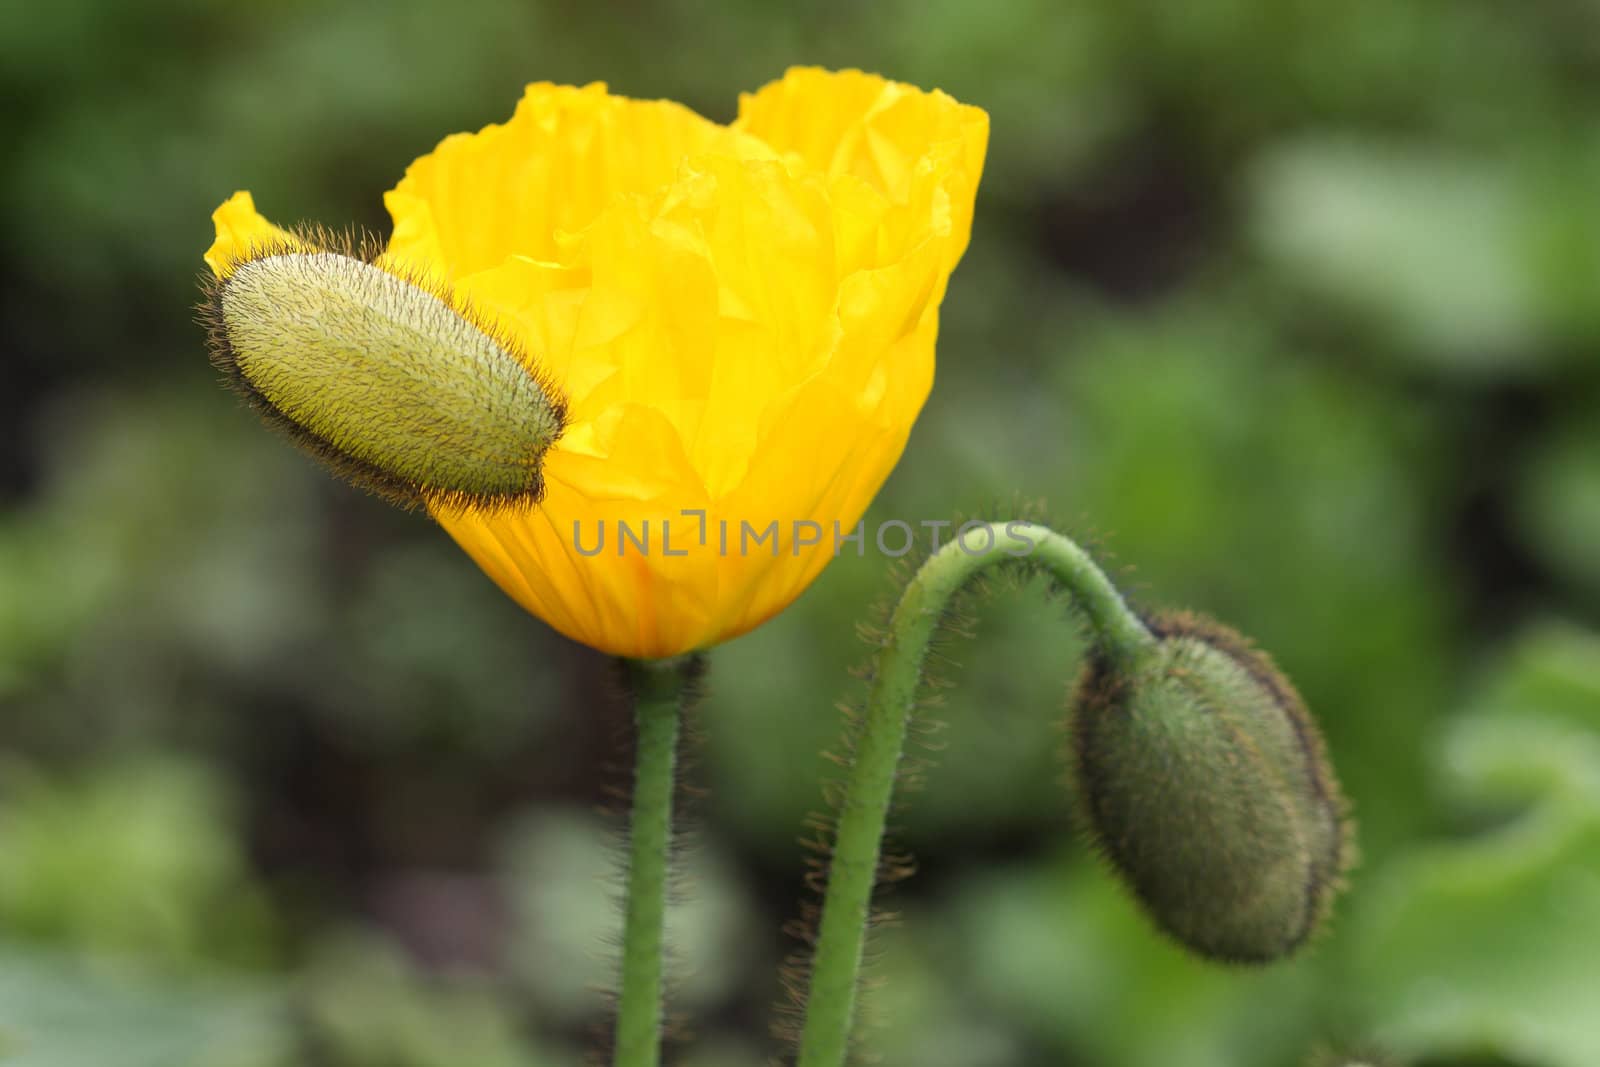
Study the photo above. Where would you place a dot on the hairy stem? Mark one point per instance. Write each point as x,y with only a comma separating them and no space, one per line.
659,690
836,966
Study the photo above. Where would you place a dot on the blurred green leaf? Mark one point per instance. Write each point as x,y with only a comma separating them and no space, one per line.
367,1007
1426,245
1486,944
137,857
55,1012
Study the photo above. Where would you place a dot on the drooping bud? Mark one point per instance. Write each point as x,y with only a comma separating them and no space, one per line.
390,382
1205,784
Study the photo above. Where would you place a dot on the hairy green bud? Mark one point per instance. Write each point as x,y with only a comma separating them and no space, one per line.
388,380
1206,786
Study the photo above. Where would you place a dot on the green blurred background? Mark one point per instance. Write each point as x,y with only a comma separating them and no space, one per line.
1291,309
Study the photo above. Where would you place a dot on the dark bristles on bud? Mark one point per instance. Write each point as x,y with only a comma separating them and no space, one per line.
1205,784
388,379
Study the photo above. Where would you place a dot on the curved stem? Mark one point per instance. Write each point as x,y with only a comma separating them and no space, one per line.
659,692
830,1005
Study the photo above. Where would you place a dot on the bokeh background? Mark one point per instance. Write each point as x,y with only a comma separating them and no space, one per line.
1291,309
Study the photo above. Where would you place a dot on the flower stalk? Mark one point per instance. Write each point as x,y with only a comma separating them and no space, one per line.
660,689
897,676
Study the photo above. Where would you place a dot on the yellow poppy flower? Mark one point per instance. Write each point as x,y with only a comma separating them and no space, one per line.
741,319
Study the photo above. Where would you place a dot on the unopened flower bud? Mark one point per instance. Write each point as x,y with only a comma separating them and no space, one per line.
391,382
1205,784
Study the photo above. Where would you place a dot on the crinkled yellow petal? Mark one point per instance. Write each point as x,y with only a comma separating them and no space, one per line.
525,186
895,139
241,229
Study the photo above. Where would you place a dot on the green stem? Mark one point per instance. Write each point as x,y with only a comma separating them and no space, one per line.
836,966
659,692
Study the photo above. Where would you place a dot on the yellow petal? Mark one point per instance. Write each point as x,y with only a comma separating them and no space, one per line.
241,230
624,596
896,139
519,187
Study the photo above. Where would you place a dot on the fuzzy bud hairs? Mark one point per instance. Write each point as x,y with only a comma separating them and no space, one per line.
389,380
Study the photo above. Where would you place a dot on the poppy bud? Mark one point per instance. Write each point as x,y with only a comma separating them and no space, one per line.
1205,785
389,382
